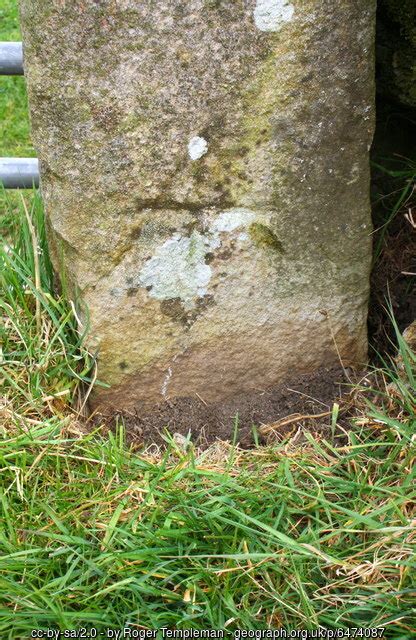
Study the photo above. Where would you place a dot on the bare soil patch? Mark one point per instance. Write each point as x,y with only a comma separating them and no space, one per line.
300,398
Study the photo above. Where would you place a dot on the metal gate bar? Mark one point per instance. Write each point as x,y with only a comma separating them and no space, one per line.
11,59
16,173
19,173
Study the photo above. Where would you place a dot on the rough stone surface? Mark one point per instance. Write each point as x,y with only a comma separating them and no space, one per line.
396,50
205,172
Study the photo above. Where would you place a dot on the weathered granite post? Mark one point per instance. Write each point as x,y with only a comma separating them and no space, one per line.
204,167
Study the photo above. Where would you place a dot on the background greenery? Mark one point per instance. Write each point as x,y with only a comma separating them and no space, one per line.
14,121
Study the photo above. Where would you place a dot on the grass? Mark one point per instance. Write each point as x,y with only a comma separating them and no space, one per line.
95,533
45,363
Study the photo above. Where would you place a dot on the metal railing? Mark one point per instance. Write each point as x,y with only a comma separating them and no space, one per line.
16,173
11,59
19,173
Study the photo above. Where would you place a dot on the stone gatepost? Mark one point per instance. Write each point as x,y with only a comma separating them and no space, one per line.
205,172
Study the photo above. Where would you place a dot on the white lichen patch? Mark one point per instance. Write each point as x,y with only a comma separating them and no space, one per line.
178,269
167,378
270,15
166,381
197,147
233,219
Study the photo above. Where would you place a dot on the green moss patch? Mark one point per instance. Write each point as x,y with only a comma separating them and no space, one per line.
263,236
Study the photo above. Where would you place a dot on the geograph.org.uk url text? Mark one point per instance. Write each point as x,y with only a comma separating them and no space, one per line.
359,633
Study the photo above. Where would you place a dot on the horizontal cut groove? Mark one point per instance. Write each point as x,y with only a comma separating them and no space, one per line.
19,173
